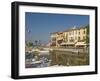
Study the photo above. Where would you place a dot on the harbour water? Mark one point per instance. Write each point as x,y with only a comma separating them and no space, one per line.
34,60
57,57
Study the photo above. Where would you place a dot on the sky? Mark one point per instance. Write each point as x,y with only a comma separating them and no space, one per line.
38,26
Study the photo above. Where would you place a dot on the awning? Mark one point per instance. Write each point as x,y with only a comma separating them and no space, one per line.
80,44
68,43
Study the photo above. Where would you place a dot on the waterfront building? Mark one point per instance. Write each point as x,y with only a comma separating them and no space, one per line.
71,37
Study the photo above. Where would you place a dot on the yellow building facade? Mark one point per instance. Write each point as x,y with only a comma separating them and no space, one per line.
70,37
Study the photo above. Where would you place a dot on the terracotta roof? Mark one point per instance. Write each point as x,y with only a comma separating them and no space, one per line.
78,28
74,29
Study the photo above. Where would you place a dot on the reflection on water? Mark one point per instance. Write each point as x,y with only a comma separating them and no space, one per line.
60,57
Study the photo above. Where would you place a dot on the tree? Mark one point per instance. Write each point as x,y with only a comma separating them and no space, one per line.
36,42
87,34
29,44
39,42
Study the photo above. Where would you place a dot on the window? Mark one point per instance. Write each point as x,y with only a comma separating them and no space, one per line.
84,32
78,38
79,32
71,39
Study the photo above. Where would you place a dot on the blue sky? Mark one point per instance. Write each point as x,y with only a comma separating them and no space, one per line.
40,25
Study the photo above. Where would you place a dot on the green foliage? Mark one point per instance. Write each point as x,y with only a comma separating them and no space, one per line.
87,34
29,44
